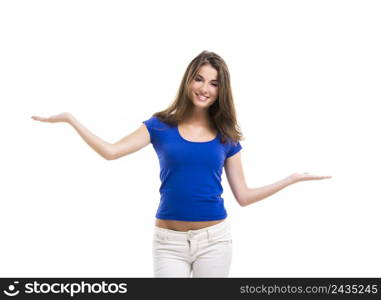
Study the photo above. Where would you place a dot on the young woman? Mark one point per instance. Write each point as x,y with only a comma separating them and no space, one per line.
194,138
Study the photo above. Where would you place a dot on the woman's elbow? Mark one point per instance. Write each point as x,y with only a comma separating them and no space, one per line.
241,202
109,154
108,157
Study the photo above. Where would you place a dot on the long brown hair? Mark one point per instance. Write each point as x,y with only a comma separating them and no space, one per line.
222,113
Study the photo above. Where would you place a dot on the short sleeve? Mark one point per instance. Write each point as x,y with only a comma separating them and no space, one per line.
150,124
233,149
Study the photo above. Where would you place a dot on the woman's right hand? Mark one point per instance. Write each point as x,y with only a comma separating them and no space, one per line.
62,117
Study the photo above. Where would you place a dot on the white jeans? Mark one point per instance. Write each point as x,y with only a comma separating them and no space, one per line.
206,252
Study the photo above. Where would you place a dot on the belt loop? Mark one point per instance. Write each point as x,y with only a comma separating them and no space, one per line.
166,235
209,235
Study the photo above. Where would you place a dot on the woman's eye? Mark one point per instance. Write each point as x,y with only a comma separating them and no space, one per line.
199,79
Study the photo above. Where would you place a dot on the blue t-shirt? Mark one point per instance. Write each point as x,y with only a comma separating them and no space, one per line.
190,174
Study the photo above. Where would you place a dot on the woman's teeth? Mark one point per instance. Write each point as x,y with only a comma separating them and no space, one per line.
202,98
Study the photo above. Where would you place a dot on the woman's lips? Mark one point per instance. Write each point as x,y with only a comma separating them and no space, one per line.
202,98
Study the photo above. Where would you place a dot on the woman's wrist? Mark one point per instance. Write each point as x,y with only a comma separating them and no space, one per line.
69,118
293,178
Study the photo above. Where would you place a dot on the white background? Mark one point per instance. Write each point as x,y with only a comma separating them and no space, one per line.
306,84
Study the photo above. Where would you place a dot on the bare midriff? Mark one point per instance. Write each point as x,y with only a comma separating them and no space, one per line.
184,225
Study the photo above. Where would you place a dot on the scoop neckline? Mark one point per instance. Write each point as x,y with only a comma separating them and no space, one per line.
193,142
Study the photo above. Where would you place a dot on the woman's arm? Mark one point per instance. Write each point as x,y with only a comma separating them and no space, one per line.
101,147
255,194
131,143
246,196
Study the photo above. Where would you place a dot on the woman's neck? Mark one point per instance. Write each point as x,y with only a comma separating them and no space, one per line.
198,118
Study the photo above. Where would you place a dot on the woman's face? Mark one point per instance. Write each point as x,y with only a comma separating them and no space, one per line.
204,87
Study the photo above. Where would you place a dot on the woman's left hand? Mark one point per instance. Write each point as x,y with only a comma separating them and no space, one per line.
296,177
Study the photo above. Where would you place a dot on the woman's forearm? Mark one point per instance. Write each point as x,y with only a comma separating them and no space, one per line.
101,147
256,194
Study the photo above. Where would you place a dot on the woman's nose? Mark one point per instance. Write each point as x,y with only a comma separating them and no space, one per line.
204,88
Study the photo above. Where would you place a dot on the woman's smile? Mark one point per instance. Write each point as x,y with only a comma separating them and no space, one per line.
201,98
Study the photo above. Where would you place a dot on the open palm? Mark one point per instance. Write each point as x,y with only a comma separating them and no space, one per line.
62,117
306,176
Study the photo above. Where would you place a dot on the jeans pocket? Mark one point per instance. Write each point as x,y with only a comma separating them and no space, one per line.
225,238
158,237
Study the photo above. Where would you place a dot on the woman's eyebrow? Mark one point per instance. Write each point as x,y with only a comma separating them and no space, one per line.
203,77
